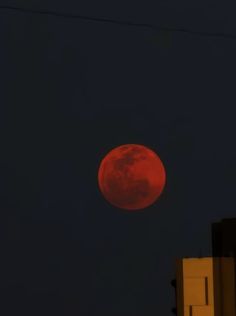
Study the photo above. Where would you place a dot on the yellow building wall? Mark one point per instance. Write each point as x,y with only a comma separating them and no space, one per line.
205,287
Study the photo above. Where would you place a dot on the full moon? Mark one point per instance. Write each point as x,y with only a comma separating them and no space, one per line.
131,177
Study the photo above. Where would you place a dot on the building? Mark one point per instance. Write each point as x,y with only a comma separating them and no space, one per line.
224,238
205,287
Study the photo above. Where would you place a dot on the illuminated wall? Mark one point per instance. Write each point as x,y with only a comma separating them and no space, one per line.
205,287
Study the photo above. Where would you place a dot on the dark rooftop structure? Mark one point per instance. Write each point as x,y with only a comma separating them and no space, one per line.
224,238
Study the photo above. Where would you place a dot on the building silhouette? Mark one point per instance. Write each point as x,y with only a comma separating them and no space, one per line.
224,238
207,286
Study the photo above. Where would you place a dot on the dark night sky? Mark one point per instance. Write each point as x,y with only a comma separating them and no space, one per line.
70,91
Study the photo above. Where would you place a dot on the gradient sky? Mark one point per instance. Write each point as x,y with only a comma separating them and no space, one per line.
71,90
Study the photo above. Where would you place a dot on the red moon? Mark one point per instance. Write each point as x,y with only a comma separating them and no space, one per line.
131,177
